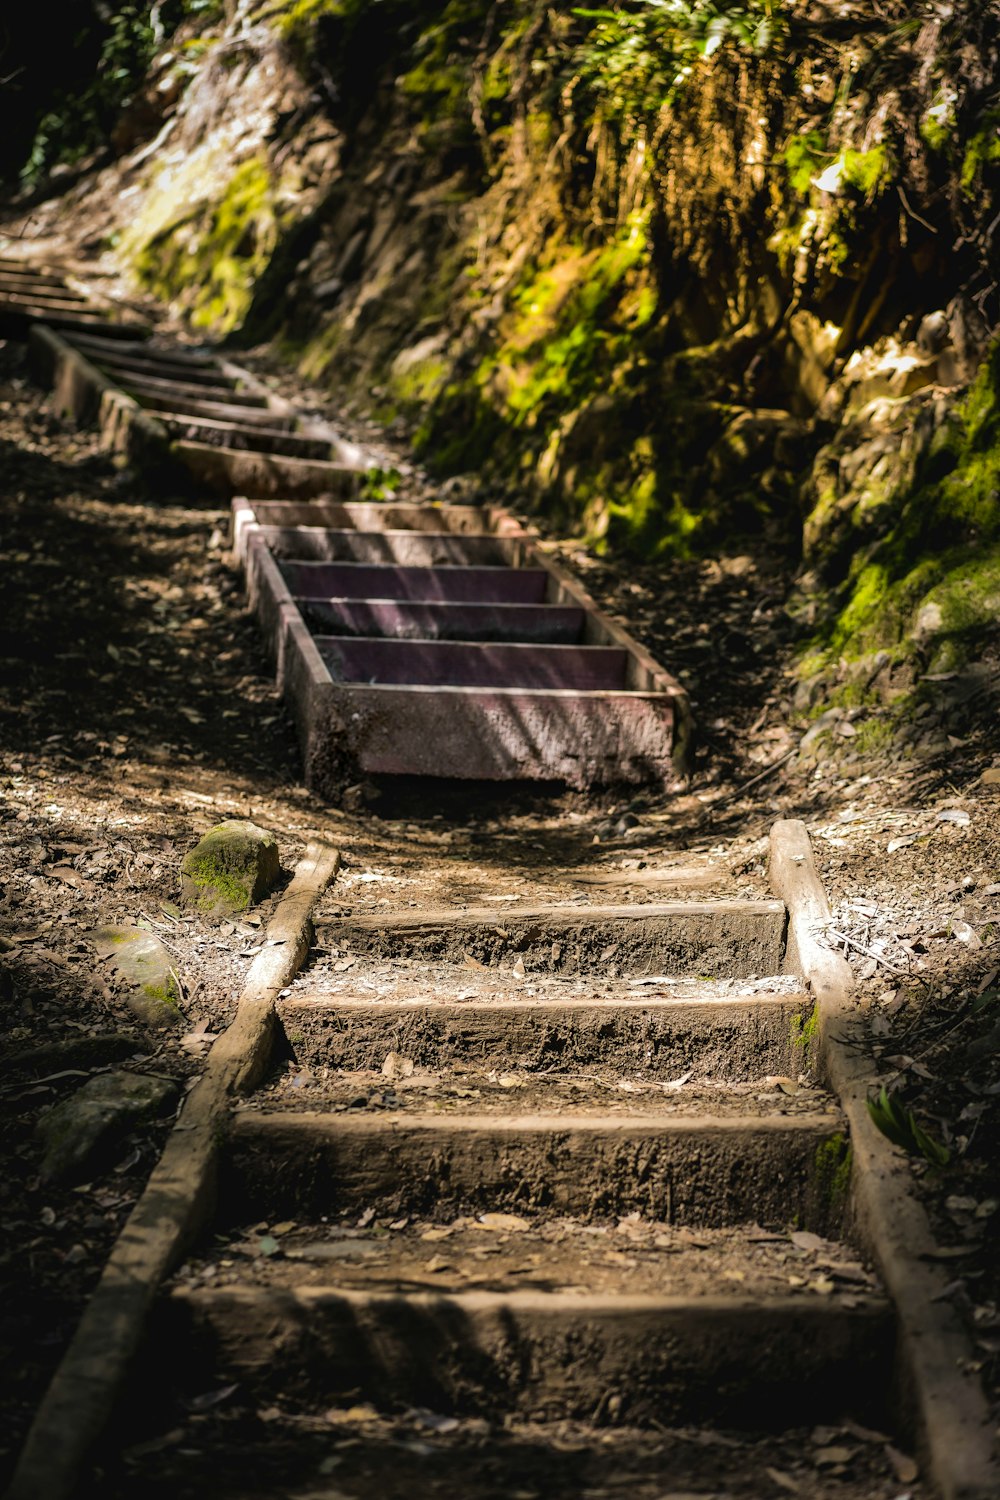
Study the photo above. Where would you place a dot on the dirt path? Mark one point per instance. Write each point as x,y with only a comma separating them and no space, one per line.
140,710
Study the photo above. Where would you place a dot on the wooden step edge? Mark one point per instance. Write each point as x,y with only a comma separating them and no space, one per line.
767,909
85,393
940,1398
174,1208
455,520
148,351
322,1127
232,470
113,330
714,1305
568,1007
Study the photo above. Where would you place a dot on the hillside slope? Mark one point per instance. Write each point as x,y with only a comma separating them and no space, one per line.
690,278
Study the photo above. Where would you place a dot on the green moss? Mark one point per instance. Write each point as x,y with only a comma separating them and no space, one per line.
208,258
832,1165
868,171
297,22
874,737
805,1029
983,150
166,994
933,582
803,158
421,381
233,865
208,876
936,131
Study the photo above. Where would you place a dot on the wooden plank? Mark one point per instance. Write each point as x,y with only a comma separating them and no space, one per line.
362,515
472,664
402,547
229,472
403,620
937,1387
249,438
176,1204
224,411
454,584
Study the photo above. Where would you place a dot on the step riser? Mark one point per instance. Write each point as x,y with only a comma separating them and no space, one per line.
16,322
461,664
230,472
544,624
216,411
712,1175
527,734
735,939
362,515
163,375
738,1042
457,585
550,1358
407,549
251,440
145,352
41,294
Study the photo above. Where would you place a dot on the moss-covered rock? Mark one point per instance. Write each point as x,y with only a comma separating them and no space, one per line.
153,990
82,1134
234,866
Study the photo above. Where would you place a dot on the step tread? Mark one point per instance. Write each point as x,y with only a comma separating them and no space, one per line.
632,1262
738,937
434,988
481,664
517,1104
481,1458
238,470
398,619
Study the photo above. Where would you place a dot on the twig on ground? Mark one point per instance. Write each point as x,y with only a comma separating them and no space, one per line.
842,937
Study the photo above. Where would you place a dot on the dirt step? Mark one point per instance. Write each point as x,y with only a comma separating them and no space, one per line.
545,1354
240,1449
698,1170
499,1252
602,1092
409,548
550,624
713,1036
733,939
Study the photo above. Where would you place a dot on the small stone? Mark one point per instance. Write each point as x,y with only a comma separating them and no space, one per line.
141,958
81,1135
234,866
